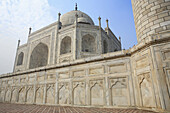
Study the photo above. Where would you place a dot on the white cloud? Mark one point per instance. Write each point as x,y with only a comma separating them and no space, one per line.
16,16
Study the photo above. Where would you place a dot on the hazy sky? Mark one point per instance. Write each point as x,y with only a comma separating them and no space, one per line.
16,16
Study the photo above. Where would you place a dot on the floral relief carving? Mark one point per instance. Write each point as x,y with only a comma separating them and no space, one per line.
79,93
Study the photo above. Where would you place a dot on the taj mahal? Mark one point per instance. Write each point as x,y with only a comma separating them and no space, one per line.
74,62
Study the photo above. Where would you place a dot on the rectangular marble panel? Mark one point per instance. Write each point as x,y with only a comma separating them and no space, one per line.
119,68
64,75
79,93
142,62
40,78
51,77
96,71
119,91
79,73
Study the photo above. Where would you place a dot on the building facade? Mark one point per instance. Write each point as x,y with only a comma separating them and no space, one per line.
73,62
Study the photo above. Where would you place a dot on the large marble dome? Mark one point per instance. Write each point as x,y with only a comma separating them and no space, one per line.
69,18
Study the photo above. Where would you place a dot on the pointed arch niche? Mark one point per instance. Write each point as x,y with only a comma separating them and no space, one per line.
88,44
20,59
39,56
65,45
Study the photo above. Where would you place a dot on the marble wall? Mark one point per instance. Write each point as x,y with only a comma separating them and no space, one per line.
127,78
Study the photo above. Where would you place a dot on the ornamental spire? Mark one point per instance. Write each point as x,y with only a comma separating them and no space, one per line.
76,7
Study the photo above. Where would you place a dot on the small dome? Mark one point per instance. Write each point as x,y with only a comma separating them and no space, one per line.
69,18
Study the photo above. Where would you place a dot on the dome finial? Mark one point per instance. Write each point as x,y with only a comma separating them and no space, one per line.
76,7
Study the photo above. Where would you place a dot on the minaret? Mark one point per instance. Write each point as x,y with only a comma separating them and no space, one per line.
100,37
76,8
59,24
151,17
55,57
59,14
107,28
107,21
16,55
18,43
29,31
99,21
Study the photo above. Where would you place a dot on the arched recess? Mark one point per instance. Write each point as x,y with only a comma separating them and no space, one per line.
65,45
30,95
146,90
20,59
39,56
14,97
88,44
39,94
8,96
50,94
119,94
64,94
79,94
96,94
21,93
105,46
2,96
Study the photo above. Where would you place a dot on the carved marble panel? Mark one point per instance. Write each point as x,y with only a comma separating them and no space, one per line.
142,62
50,97
41,78
21,95
65,59
39,94
96,92
64,75
145,86
2,95
51,77
96,71
79,93
119,91
64,93
8,95
14,95
30,94
79,73
117,68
